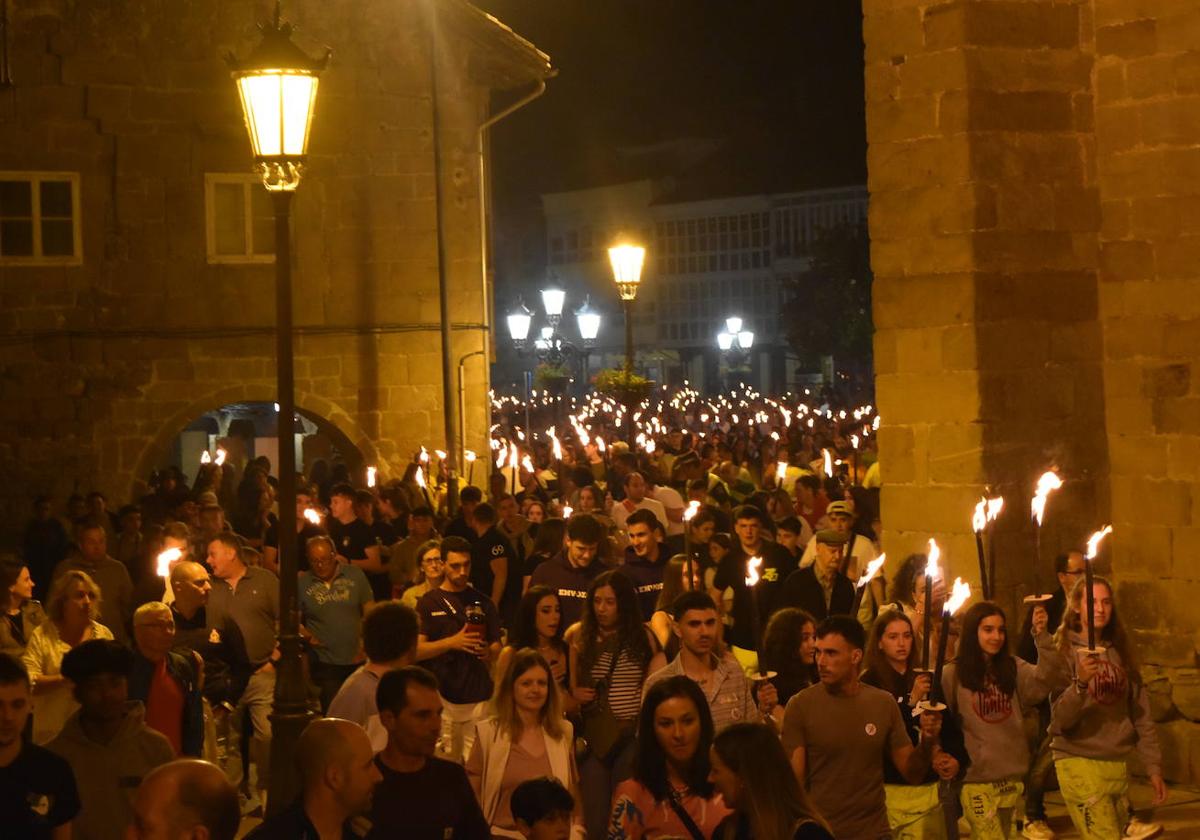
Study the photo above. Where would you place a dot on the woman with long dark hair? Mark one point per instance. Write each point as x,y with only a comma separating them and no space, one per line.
538,626
611,652
991,690
674,585
22,614
891,661
752,773
670,794
788,648
1101,718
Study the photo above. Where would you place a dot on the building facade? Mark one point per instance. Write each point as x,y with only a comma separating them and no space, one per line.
136,261
706,261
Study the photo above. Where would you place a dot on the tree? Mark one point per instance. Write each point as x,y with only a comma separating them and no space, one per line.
827,309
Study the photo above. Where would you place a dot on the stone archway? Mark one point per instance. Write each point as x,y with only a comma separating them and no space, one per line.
325,414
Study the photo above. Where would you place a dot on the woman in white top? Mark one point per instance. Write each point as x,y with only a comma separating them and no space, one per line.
72,607
525,737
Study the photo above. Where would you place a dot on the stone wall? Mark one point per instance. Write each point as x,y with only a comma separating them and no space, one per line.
1034,168
105,362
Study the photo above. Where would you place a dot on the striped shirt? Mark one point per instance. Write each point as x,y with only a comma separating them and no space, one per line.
625,687
729,694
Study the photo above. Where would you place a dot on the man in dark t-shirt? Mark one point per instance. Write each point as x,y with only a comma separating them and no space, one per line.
495,569
421,797
37,788
777,564
460,636
355,541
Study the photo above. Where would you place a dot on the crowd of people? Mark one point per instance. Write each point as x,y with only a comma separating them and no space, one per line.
580,650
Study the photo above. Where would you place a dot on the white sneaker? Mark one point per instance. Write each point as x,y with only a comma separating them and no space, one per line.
1037,830
1138,830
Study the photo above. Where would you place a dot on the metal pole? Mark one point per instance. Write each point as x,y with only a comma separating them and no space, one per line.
630,431
448,384
290,712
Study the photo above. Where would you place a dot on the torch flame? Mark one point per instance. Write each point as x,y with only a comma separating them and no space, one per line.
312,515
854,441
557,447
931,565
828,463
959,596
994,506
513,455
1094,541
567,511
221,453
527,464
691,510
205,458
780,470
424,456
420,477
753,564
875,423
441,455
502,459
370,476
872,569
1048,483
979,520
165,559
496,444
600,443
469,455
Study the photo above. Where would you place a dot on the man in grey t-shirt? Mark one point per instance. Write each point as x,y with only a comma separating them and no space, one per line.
839,731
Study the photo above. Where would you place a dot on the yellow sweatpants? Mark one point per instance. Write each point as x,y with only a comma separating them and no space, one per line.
1096,793
914,812
992,808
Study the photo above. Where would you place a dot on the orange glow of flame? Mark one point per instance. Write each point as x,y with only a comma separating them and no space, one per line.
205,458
931,565
854,441
872,569
527,464
994,507
828,463
780,470
691,510
469,455
979,519
312,515
420,477
567,511
371,476
441,455
1048,483
165,559
221,454
752,566
424,456
958,596
1094,541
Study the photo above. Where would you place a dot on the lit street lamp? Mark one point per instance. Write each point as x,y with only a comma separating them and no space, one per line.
277,84
735,343
627,260
551,346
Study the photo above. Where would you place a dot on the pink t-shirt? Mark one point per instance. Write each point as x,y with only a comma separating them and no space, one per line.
636,815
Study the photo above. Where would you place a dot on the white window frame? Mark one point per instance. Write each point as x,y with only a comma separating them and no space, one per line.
249,181
35,179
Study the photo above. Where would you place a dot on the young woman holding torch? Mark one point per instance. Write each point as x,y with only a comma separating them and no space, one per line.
1102,716
991,690
892,664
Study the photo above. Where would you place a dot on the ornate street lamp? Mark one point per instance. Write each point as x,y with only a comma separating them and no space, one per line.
588,320
552,302
735,342
519,321
277,84
627,259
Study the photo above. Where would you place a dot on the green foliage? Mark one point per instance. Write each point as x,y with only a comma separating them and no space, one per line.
549,377
617,382
827,311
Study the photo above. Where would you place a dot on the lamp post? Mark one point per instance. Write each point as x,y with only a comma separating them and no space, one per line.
627,260
277,84
735,343
551,346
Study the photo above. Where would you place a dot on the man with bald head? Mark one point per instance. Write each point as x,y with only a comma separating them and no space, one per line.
338,776
185,799
222,648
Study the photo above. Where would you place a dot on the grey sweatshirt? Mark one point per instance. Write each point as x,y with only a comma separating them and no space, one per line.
992,720
1106,720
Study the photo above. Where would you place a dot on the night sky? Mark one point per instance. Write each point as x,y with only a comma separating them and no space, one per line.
780,81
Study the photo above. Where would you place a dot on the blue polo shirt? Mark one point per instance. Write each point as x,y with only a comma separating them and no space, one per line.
333,612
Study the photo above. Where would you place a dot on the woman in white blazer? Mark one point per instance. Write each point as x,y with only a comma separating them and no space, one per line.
525,737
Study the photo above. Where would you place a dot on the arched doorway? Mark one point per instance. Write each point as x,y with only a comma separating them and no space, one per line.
247,430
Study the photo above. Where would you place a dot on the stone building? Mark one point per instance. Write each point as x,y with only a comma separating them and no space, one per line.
136,276
1034,170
